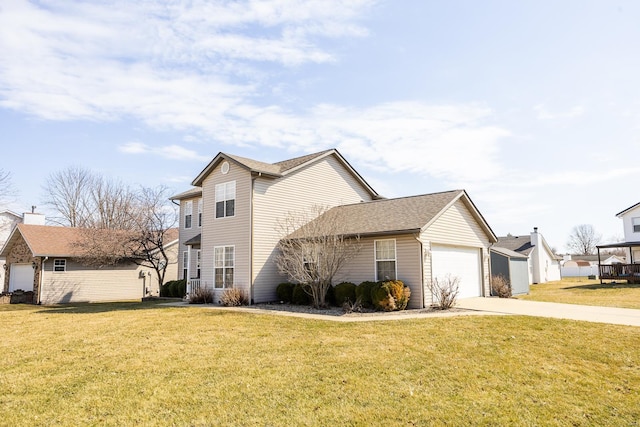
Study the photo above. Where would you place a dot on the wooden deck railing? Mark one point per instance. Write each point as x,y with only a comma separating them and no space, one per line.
620,271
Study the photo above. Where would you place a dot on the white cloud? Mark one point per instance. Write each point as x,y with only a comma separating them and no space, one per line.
174,152
543,112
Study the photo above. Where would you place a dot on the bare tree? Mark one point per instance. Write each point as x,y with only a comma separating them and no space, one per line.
66,193
149,219
313,249
583,240
7,191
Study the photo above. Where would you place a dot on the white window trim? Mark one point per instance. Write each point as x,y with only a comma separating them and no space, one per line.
198,262
199,213
224,267
188,212
185,265
224,199
64,265
375,257
635,222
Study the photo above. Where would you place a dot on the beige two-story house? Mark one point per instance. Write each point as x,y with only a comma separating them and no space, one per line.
229,227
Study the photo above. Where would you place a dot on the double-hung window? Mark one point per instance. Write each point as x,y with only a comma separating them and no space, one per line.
188,212
59,265
223,266
199,212
185,264
385,255
226,199
198,263
635,223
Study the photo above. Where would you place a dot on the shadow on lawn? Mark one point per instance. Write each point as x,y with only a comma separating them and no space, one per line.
596,286
85,308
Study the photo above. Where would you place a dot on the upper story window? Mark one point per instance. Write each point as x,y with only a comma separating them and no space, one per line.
226,199
635,223
199,212
385,255
59,265
188,212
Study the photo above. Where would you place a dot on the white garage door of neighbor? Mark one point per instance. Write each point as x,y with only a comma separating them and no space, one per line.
461,262
21,277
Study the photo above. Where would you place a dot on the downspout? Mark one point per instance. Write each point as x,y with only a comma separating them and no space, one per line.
489,268
43,260
417,237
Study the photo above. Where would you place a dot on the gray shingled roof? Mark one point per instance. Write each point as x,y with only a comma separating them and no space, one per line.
193,192
628,209
520,244
507,252
402,215
289,164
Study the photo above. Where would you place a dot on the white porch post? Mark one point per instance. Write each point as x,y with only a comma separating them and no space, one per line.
188,278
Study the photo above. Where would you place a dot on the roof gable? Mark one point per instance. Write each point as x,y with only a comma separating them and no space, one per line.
630,208
279,169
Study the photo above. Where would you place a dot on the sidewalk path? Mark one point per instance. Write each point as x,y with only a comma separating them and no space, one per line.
616,316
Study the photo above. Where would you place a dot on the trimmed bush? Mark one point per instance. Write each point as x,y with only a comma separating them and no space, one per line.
363,293
233,298
330,297
174,289
391,295
300,296
284,291
400,293
345,291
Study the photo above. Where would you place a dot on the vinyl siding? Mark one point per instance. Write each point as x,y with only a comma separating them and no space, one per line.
456,227
363,268
325,182
84,284
186,234
228,231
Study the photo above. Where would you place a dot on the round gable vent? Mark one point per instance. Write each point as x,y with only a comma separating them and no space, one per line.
225,168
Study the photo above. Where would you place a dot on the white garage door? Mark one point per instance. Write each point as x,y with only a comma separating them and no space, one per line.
21,277
461,262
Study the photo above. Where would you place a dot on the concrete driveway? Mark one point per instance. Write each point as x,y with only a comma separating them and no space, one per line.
616,316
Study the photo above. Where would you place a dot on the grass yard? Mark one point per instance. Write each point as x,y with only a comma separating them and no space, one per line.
586,292
146,364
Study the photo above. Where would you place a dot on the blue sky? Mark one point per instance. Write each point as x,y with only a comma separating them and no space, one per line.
533,107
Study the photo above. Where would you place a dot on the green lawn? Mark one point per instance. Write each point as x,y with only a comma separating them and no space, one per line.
145,364
586,292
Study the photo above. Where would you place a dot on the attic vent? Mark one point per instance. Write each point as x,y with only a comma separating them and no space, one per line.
225,168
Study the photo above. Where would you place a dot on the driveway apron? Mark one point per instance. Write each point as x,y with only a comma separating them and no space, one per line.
588,313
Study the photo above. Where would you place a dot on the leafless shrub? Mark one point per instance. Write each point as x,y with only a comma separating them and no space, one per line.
444,291
201,296
313,248
233,298
352,307
500,286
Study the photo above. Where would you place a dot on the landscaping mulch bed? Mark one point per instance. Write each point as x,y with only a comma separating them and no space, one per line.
338,311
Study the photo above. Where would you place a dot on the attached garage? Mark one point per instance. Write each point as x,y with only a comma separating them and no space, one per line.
461,262
21,277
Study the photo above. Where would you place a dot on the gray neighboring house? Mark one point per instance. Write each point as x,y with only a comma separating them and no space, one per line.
229,227
544,265
513,266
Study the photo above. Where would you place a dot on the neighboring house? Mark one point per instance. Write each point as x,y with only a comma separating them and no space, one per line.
513,266
45,260
230,220
8,220
544,265
630,270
